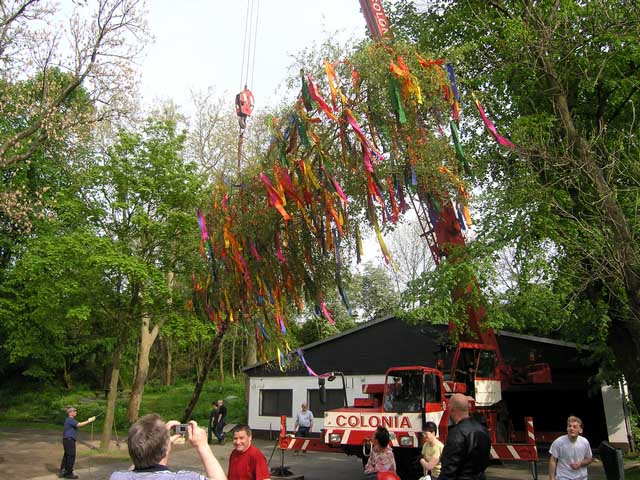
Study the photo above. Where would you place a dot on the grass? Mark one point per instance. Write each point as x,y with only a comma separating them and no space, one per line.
45,408
632,474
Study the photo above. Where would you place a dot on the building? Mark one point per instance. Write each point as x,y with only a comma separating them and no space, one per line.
364,353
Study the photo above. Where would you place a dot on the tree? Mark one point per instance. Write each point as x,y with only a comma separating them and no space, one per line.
30,190
212,140
101,44
145,196
51,323
375,295
56,81
411,254
561,77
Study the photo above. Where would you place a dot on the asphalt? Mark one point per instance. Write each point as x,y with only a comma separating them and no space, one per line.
35,454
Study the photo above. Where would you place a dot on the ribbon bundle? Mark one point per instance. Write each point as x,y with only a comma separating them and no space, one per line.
379,138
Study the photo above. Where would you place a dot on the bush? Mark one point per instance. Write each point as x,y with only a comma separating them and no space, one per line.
46,406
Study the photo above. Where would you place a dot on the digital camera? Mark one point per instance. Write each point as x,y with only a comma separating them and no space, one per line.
182,428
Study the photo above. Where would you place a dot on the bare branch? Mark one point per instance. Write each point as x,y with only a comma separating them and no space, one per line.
103,49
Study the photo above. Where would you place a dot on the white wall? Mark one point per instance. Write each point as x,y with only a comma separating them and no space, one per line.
299,385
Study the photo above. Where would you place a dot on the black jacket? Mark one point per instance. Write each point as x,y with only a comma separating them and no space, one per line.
466,452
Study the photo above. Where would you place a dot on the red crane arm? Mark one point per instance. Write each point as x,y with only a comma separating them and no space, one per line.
446,231
377,22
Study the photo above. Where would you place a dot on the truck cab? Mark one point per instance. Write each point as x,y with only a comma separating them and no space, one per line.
409,397
475,372
415,391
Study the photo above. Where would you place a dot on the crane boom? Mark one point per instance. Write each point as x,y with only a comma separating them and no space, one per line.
376,19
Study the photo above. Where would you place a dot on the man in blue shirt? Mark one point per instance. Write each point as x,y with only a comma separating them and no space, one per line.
69,437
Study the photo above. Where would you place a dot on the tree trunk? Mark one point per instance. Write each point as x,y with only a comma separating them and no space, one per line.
221,361
66,375
208,364
233,354
624,333
169,364
112,396
252,345
147,338
624,340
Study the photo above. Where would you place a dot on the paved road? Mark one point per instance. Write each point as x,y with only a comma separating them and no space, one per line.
34,454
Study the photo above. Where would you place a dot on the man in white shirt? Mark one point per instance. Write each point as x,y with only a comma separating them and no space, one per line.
570,454
304,422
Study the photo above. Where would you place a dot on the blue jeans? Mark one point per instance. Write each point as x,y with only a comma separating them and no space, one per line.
303,431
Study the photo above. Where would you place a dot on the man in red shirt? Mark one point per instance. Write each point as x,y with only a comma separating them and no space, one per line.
246,461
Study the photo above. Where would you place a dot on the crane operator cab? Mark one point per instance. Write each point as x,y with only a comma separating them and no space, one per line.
476,367
416,393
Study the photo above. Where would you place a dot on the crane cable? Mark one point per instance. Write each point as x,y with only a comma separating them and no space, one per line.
252,16
248,61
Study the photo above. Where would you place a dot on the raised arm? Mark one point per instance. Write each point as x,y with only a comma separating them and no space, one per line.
198,439
87,421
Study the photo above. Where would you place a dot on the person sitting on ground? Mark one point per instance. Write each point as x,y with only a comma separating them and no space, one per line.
381,458
149,443
431,451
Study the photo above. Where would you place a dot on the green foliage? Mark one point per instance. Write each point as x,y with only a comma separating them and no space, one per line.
46,407
314,157
49,313
373,293
560,79
317,328
120,222
32,192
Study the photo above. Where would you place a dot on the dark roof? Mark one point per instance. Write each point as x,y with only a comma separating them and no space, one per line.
373,347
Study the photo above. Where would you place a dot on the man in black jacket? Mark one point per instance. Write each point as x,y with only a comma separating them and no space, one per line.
466,451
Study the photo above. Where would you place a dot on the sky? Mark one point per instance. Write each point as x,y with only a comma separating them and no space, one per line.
198,44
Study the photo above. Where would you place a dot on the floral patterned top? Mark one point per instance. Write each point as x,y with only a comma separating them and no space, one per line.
381,461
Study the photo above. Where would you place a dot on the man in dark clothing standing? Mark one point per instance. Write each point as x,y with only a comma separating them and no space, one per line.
213,416
69,437
221,421
466,451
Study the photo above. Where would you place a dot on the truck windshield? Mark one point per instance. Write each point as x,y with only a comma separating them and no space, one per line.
432,392
403,391
486,364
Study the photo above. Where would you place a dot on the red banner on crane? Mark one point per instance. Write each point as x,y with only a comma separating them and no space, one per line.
377,22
